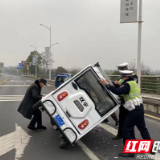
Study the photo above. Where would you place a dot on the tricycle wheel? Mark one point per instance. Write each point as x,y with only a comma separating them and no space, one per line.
63,144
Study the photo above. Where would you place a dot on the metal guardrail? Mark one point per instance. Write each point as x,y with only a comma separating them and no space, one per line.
149,84
51,82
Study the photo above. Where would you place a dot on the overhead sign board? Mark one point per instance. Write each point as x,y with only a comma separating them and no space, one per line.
34,60
48,58
24,63
129,11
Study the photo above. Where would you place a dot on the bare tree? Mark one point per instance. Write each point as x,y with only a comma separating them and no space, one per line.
145,70
74,70
157,72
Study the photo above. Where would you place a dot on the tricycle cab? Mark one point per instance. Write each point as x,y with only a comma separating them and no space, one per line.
80,103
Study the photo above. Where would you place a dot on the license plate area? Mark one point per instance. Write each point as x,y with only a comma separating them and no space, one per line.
59,120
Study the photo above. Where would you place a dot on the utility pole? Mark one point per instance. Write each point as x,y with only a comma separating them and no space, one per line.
139,43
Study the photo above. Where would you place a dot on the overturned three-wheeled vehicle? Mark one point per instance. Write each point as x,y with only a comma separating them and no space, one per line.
79,104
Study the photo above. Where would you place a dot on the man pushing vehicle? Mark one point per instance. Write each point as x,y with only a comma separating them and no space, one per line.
32,96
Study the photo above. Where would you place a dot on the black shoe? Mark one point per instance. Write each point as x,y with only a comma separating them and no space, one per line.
32,128
41,128
117,137
126,154
117,123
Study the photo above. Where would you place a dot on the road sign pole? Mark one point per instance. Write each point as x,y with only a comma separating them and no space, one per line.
50,69
36,71
139,42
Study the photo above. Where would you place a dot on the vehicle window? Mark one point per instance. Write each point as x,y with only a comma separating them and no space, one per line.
103,101
61,79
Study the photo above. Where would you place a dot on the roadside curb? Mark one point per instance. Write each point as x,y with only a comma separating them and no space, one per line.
4,81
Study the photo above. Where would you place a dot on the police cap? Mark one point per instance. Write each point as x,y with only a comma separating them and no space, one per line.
122,66
125,73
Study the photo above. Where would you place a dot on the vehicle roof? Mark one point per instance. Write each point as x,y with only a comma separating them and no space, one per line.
63,74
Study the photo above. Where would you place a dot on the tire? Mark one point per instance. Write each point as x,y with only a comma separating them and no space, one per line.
63,144
37,105
52,122
62,137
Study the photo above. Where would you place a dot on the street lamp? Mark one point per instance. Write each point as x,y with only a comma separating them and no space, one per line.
36,61
54,44
49,28
34,47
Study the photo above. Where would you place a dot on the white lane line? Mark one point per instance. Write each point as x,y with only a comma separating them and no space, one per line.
108,128
11,95
14,85
157,156
19,85
13,100
88,152
114,132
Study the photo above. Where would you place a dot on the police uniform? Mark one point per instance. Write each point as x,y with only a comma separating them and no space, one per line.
130,91
122,111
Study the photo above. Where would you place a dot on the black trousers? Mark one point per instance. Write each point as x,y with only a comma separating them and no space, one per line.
135,118
122,116
37,118
114,117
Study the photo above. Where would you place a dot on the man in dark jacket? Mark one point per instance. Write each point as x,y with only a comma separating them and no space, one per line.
32,96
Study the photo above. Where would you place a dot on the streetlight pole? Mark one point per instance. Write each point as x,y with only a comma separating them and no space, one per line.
36,61
49,28
139,43
134,65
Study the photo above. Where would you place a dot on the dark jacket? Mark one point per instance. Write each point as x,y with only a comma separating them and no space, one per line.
33,95
123,89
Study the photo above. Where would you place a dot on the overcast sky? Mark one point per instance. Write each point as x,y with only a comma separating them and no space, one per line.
87,31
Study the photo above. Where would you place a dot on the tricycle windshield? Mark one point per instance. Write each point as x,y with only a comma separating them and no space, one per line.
102,99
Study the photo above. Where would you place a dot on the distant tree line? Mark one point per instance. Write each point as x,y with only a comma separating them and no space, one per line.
42,70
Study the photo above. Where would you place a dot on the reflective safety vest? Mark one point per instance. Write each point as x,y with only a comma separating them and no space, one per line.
121,80
134,91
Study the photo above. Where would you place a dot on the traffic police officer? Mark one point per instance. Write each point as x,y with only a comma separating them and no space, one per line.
130,91
124,66
122,111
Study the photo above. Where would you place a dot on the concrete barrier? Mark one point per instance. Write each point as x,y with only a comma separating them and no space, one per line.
151,105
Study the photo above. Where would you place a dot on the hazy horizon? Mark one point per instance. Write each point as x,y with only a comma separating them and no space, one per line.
88,31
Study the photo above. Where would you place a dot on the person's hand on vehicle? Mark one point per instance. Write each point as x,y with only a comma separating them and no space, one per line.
117,82
104,82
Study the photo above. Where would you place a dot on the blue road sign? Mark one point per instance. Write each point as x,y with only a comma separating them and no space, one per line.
19,66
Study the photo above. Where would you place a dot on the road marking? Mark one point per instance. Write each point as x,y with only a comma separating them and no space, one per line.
108,128
14,85
19,85
4,81
11,95
88,152
5,100
152,116
114,132
17,140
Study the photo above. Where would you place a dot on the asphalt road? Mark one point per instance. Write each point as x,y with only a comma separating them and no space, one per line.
43,145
